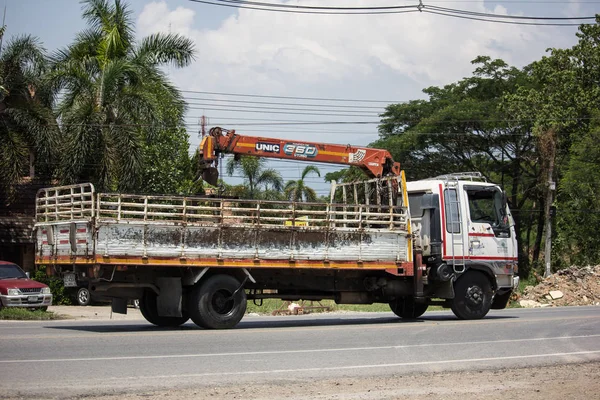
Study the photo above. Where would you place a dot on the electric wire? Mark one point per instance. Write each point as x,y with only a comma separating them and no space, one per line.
480,14
396,9
284,104
291,97
289,10
501,22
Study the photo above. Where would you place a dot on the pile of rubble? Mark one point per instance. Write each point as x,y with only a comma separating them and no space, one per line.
574,286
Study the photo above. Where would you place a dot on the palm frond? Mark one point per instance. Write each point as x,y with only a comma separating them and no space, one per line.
310,169
270,177
161,49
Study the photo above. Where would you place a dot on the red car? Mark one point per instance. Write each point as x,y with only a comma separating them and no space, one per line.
17,290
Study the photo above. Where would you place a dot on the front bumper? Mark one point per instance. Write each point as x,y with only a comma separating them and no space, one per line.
25,300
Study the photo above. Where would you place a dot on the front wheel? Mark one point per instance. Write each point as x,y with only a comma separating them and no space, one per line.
150,312
218,302
407,308
472,296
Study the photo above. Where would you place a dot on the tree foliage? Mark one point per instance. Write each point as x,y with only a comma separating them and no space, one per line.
298,190
28,131
116,99
256,176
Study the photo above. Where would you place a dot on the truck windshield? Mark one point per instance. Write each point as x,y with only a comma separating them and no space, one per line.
11,271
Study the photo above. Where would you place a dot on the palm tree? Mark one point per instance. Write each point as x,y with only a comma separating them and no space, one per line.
115,95
253,170
28,131
298,191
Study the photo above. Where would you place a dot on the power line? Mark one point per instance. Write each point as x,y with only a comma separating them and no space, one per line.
395,9
499,22
267,110
489,15
300,7
291,9
286,104
292,97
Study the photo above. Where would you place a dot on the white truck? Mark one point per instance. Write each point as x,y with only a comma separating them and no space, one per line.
447,241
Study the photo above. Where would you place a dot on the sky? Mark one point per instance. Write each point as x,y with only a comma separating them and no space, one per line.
312,62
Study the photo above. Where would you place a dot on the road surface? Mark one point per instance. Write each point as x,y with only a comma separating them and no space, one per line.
114,358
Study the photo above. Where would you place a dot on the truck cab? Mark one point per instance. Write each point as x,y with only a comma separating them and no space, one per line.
465,231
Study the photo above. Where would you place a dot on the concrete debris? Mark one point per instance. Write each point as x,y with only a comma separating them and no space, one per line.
529,304
556,294
574,286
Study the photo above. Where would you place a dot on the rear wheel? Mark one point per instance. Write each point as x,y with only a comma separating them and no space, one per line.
217,303
149,311
407,308
472,296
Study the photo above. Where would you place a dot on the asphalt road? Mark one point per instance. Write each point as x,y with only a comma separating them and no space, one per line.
76,358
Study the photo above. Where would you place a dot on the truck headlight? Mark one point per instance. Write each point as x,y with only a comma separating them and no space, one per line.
14,292
45,290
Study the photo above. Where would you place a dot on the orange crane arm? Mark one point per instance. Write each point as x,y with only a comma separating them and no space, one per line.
375,162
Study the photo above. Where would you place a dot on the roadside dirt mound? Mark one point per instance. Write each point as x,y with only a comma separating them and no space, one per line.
574,286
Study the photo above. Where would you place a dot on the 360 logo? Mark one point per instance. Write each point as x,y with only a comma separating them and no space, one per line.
300,150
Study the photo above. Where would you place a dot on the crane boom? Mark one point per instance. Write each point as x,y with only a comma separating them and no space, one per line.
375,162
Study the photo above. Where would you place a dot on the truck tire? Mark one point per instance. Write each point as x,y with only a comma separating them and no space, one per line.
406,308
149,311
472,296
211,304
84,297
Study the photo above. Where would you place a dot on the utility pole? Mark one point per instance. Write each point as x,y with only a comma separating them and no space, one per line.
203,124
3,28
549,151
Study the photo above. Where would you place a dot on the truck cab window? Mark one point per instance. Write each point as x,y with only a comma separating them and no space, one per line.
414,203
452,211
482,207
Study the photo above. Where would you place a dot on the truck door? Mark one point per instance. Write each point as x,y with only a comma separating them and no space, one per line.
490,236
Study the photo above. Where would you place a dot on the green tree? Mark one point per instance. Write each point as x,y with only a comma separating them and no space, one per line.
298,190
28,131
255,174
115,95
578,208
167,167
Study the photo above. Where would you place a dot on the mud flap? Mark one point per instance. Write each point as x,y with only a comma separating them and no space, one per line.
119,306
168,302
501,300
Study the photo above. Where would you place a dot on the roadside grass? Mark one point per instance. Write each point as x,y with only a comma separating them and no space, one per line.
23,314
270,305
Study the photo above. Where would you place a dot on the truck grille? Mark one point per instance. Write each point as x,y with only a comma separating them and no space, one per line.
31,290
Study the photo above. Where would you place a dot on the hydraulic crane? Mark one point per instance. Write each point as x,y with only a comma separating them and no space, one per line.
375,162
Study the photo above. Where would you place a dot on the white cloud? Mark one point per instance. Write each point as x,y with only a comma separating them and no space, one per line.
252,49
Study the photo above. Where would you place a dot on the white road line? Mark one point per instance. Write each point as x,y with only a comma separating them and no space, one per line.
347,367
254,353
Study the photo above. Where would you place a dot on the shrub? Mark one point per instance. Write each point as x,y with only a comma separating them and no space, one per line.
59,293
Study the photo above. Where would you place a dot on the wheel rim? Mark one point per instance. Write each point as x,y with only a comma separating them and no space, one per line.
474,296
222,302
84,296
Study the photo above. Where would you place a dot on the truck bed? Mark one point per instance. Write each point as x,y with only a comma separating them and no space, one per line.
76,225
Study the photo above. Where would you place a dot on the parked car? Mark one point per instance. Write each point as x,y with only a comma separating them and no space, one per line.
17,290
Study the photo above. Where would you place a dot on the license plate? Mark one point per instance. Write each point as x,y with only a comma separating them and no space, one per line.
32,299
69,280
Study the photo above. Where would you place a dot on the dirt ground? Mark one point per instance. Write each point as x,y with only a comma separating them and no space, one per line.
560,382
